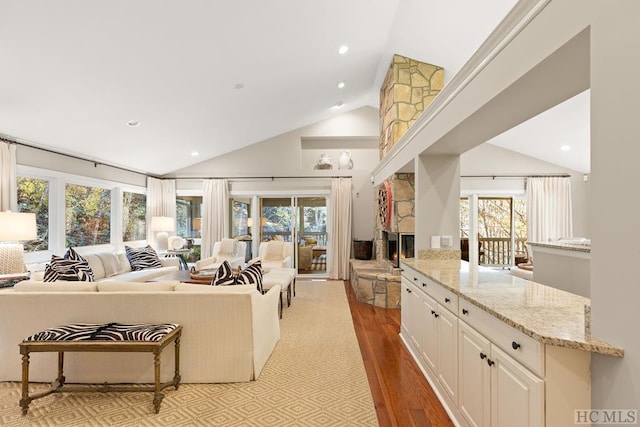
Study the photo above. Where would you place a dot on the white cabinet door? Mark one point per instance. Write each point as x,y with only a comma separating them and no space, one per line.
405,310
447,324
475,377
429,323
517,396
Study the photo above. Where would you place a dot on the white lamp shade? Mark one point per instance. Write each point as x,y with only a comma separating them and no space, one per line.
16,226
162,223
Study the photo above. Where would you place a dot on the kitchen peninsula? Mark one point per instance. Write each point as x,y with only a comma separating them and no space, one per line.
565,264
495,346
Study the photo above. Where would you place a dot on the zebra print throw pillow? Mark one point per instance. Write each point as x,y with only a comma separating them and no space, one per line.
252,275
142,258
104,332
72,267
224,276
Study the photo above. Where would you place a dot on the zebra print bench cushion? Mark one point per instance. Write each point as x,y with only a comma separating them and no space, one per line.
104,332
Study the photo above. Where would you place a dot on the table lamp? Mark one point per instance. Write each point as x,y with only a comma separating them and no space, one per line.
162,225
15,227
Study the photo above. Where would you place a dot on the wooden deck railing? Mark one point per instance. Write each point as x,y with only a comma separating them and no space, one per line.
497,250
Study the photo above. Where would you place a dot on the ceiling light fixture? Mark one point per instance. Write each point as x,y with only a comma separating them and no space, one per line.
566,148
195,153
133,123
339,104
343,49
341,85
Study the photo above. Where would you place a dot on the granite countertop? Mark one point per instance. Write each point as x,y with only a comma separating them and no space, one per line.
576,246
549,315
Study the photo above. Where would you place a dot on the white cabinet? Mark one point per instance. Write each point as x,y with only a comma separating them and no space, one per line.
517,396
447,365
485,371
432,331
475,377
495,390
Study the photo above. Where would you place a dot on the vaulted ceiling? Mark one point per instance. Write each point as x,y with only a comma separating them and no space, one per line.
210,77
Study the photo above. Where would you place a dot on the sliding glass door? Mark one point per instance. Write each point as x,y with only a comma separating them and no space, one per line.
302,221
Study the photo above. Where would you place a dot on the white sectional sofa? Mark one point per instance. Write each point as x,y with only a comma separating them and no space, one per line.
115,266
229,332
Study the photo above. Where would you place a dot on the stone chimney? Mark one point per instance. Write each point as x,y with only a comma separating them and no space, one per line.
408,88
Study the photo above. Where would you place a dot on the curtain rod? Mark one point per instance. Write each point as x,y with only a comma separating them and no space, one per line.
95,162
564,175
272,178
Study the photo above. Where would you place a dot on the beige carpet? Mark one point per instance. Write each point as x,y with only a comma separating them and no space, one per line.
315,377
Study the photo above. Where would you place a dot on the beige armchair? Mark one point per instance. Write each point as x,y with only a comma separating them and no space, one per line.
230,250
275,254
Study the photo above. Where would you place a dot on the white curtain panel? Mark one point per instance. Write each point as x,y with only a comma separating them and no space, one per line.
8,184
340,235
215,214
161,201
549,209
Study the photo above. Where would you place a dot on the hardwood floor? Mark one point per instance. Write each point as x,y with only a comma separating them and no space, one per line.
401,394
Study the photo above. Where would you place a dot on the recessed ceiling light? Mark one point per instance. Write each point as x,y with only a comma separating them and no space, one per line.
339,104
341,85
195,153
239,86
566,148
343,49
133,123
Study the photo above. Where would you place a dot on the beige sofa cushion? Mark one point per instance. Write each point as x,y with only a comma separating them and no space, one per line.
96,266
58,286
119,286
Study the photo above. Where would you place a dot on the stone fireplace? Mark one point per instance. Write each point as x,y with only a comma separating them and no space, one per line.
402,222
408,88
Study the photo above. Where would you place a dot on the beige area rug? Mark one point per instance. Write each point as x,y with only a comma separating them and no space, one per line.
315,377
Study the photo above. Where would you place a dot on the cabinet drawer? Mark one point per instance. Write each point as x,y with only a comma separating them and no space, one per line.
445,297
521,347
442,295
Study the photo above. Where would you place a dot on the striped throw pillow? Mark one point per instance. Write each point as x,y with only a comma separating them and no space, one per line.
224,276
68,269
252,275
142,258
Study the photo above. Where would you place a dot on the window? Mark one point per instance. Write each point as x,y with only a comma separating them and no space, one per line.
239,218
87,215
33,196
134,216
188,216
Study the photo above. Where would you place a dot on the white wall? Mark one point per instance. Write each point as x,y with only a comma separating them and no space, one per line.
614,203
34,157
295,153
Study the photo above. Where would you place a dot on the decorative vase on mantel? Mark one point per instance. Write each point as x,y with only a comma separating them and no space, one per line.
324,162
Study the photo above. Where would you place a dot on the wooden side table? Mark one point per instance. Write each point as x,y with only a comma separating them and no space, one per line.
61,346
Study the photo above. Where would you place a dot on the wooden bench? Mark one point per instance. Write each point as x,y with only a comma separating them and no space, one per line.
110,337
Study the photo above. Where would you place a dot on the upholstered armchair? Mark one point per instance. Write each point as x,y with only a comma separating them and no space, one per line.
230,250
275,254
